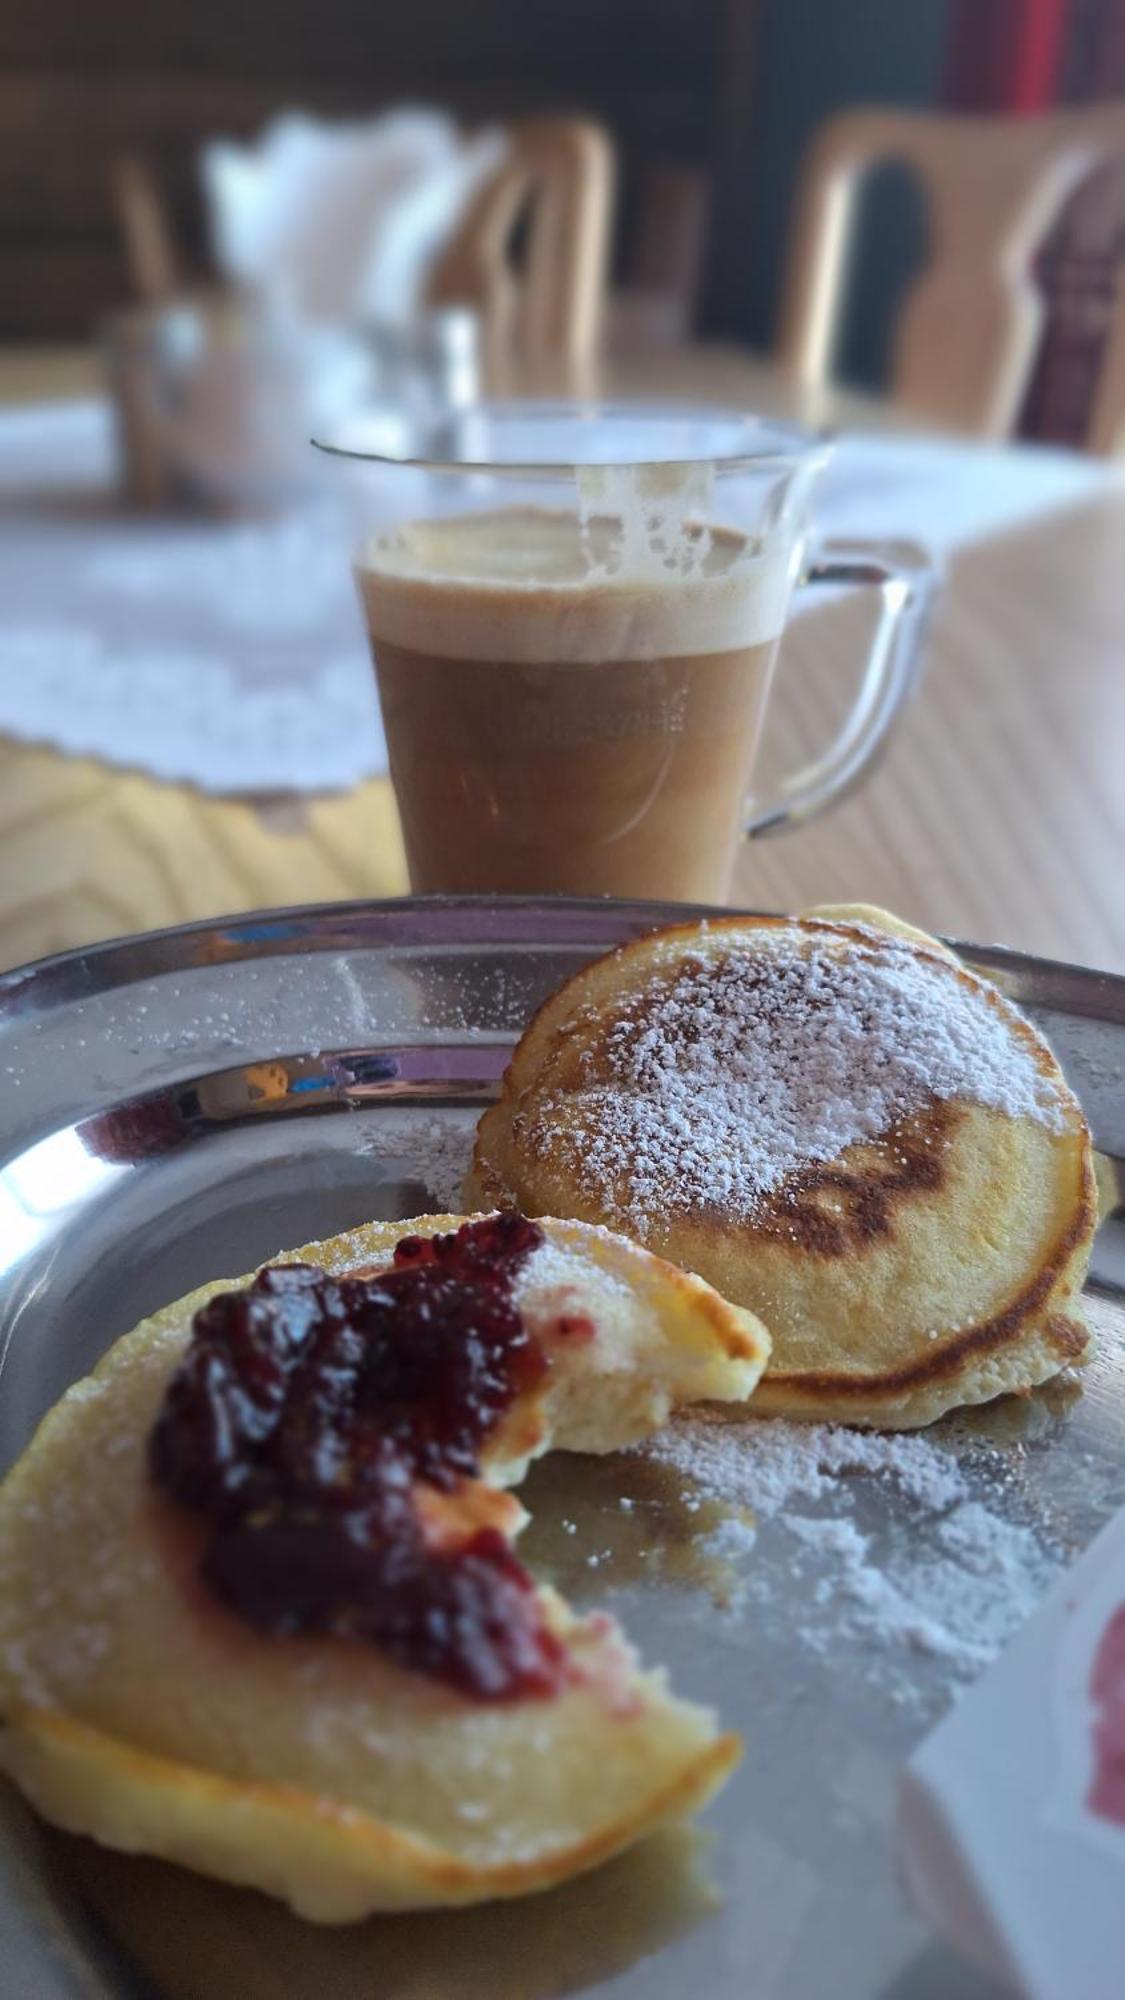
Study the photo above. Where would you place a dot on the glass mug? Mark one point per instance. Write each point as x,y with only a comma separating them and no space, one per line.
575,613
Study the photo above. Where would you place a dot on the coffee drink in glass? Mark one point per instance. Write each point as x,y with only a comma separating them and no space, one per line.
574,642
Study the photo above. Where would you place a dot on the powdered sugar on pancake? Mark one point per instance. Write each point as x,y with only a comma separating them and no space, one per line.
729,1070
556,1273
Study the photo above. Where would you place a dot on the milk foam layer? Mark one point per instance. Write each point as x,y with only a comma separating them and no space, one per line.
536,586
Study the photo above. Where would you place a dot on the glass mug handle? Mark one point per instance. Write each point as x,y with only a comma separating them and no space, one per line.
906,580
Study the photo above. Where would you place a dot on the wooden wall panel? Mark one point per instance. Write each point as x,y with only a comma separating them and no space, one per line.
82,81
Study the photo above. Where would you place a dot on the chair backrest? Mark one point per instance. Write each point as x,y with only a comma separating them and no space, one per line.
964,344
554,192
149,255
1106,432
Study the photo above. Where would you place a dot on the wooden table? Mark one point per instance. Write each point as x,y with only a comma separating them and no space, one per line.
998,814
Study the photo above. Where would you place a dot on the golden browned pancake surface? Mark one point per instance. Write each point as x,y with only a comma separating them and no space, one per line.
136,1708
837,1125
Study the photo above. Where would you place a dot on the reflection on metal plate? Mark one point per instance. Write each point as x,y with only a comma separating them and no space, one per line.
182,1106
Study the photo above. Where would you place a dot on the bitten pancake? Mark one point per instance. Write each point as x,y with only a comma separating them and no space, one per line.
664,1337
139,1709
837,1125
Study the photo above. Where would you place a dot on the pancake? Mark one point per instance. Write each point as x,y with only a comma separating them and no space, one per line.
139,1709
842,1129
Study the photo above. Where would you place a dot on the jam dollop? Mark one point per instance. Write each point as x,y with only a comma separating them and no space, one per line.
305,1422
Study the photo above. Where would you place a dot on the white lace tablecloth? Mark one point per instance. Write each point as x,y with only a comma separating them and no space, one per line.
231,654
228,653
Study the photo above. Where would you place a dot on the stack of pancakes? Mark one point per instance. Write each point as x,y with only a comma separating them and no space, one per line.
874,1161
841,1128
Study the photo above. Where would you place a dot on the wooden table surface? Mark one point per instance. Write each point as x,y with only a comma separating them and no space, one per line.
998,813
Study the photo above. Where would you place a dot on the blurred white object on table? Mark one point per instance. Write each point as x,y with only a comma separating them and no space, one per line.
1012,1813
319,230
216,398
431,364
342,222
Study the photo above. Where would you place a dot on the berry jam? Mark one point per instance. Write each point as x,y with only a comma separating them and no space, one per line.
301,1421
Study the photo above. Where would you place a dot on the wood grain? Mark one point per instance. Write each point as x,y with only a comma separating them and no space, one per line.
91,853
998,814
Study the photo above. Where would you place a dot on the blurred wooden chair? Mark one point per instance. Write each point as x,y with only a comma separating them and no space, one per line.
150,258
1106,433
531,253
966,337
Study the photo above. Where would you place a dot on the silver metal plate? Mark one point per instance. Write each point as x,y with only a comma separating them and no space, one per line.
181,1106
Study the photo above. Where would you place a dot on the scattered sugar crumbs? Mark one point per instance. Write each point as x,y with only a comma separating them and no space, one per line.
434,1150
946,1575
952,1579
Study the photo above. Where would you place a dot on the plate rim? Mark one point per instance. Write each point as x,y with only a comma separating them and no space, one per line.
86,971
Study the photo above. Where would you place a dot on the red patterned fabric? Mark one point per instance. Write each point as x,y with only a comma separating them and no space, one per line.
1025,56
1007,55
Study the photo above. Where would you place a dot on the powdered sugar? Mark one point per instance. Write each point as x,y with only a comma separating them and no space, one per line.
886,1549
958,1594
763,1464
932,1569
555,1273
735,1066
442,1149
435,1150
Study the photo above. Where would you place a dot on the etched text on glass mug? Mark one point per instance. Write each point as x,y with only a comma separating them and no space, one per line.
575,615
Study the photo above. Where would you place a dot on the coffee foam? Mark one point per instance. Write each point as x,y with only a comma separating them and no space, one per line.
633,573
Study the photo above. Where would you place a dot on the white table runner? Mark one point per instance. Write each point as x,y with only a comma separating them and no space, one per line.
232,655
